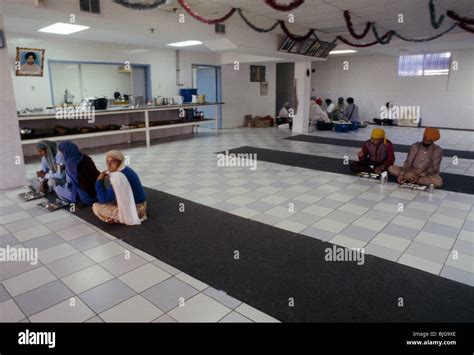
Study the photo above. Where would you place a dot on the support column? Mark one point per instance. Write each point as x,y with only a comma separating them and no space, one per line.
11,153
303,94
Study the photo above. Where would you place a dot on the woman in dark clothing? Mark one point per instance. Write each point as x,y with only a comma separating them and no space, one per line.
81,174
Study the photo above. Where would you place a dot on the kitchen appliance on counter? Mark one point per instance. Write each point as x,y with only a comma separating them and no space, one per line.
98,103
68,97
178,100
101,103
158,101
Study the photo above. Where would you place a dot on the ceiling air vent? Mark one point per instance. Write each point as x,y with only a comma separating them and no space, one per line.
220,28
90,6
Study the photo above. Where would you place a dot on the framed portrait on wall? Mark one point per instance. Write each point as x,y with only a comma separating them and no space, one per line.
257,73
29,61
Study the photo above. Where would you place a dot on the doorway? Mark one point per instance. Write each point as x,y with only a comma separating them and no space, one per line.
285,91
207,79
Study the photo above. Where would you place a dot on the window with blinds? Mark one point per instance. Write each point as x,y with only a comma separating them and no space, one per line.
424,64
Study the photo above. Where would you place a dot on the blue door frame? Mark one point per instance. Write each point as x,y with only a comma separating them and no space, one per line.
147,67
218,89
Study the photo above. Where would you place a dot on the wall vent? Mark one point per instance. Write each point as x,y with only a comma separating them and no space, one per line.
220,28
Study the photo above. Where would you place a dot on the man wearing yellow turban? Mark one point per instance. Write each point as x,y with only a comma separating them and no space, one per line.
376,155
422,166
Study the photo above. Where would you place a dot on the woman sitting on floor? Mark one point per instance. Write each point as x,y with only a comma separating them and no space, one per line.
125,200
51,173
81,174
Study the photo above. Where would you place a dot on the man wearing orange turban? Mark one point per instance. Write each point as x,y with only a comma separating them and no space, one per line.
422,166
376,155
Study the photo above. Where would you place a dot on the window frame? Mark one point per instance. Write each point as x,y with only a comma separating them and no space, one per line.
423,64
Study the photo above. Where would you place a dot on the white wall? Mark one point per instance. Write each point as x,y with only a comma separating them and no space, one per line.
35,91
12,173
372,81
242,97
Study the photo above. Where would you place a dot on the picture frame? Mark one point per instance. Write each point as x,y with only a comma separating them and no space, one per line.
324,49
29,61
314,48
305,46
287,45
264,88
296,48
329,48
257,73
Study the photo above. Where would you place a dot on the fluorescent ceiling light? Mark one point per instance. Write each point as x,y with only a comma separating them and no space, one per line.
343,51
185,44
63,28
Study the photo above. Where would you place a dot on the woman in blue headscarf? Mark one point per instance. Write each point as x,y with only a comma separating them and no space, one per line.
81,174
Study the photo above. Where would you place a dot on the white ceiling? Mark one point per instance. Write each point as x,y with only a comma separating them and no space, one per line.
121,25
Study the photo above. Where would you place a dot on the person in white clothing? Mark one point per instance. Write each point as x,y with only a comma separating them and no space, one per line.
284,115
330,107
323,123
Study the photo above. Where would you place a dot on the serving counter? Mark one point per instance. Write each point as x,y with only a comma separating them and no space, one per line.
147,115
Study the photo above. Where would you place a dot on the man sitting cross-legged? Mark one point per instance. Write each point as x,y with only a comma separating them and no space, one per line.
376,154
422,166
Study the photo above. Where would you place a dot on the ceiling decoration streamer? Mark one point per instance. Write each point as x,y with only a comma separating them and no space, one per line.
385,39
295,37
141,5
465,20
435,22
284,8
255,28
350,26
198,17
358,45
428,39
465,23
466,28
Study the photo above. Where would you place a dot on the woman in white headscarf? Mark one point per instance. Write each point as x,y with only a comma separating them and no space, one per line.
125,200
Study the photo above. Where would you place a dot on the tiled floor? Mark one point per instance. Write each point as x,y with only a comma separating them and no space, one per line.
84,274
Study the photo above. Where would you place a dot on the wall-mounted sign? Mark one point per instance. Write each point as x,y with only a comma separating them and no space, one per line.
264,88
2,39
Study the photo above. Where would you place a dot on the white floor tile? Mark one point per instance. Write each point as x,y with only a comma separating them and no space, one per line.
200,308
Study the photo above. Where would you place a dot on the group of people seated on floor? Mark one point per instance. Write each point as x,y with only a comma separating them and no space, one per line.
422,166
116,195
324,114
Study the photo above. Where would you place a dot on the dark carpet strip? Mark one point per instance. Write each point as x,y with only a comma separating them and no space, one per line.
357,144
452,182
275,266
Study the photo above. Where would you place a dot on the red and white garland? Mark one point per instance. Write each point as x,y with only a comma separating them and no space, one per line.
198,17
